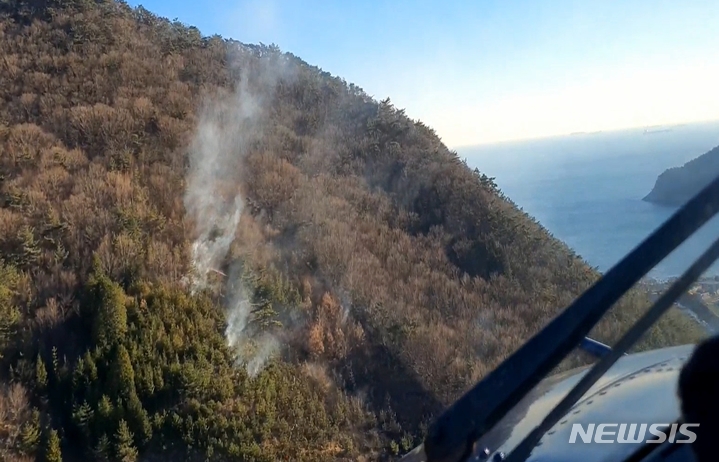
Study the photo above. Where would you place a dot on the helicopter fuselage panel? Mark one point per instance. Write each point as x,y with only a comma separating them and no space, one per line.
639,389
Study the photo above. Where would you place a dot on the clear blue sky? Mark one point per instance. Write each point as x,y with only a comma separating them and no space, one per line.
487,70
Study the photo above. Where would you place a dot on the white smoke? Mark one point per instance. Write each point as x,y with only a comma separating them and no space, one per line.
228,126
250,350
266,346
212,198
237,317
208,252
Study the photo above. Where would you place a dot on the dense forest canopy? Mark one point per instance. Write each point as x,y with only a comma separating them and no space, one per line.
215,251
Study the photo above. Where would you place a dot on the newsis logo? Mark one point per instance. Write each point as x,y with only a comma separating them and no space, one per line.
633,433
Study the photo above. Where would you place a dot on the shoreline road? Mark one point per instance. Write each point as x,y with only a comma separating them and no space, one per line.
695,308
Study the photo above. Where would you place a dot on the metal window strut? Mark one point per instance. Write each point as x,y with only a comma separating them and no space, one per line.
451,436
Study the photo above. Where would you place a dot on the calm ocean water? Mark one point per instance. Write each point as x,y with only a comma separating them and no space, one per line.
587,189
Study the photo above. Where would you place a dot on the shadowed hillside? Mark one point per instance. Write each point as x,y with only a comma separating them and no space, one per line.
676,185
215,251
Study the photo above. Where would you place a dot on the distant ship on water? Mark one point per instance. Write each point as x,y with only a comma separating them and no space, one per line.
650,131
657,129
646,131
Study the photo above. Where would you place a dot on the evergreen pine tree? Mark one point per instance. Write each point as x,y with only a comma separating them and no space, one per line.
30,433
101,451
40,375
124,445
111,314
123,375
53,452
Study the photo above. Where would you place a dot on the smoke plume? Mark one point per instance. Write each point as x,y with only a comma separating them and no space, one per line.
228,127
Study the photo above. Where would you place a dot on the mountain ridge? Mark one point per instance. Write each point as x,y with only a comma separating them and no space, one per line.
677,185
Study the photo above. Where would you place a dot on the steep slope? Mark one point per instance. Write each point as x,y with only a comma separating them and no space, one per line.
214,250
677,185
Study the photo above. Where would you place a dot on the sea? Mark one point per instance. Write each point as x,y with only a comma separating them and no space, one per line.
587,188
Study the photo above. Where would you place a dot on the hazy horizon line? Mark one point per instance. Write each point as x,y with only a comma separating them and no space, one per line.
581,133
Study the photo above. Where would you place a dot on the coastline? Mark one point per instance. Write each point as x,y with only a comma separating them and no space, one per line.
700,302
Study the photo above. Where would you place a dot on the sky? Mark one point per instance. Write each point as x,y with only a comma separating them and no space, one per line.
482,71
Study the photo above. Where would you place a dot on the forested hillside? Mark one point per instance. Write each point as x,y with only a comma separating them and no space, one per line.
215,251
